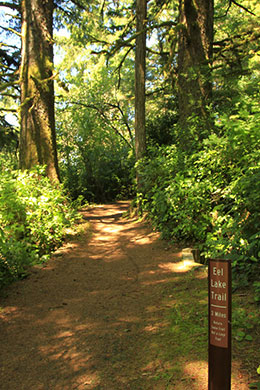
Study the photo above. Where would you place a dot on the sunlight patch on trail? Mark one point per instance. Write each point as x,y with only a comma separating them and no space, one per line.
114,229
129,319
198,372
180,267
103,238
160,281
144,240
155,328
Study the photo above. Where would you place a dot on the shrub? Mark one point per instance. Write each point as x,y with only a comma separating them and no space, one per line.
33,216
213,201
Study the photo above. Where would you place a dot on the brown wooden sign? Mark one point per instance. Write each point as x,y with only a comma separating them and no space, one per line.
218,274
219,324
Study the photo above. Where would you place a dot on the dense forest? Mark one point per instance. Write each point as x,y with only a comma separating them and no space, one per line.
156,101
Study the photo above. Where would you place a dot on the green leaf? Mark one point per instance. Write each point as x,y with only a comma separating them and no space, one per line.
249,338
240,335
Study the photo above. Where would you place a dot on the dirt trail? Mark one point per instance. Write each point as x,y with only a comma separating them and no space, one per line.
92,318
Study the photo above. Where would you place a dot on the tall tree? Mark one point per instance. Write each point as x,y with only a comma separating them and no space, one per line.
195,40
37,138
140,56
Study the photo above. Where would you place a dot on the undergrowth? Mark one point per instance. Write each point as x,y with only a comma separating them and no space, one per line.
210,198
33,216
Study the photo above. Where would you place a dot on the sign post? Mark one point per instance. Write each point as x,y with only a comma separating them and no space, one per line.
219,376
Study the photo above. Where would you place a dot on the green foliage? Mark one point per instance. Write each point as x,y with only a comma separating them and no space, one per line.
243,323
212,197
94,130
8,136
256,286
177,201
99,174
33,216
160,125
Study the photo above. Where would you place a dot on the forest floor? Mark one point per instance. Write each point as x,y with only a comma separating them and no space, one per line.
114,309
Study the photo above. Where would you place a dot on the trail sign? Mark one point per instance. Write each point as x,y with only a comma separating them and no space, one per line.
219,319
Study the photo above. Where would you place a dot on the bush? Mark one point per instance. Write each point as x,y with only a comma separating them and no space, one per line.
178,202
33,216
213,202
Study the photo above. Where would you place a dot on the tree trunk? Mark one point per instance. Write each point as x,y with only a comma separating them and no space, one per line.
140,56
195,41
38,138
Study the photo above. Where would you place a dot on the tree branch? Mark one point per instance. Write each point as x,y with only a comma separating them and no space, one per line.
120,66
117,106
158,90
79,5
9,29
10,95
97,40
168,23
121,42
10,46
9,109
157,53
107,120
230,43
66,12
11,84
225,14
9,59
244,8
9,5
229,6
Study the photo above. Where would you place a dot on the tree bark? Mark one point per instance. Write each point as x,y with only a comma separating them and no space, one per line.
195,40
37,138
140,60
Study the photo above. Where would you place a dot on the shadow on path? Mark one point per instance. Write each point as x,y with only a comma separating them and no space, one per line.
95,316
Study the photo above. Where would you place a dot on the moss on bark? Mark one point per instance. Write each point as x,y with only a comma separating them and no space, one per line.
38,138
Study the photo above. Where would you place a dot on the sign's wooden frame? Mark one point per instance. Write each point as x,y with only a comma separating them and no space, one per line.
219,324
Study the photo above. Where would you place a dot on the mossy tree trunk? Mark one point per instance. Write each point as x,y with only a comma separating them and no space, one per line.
38,138
195,40
140,61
